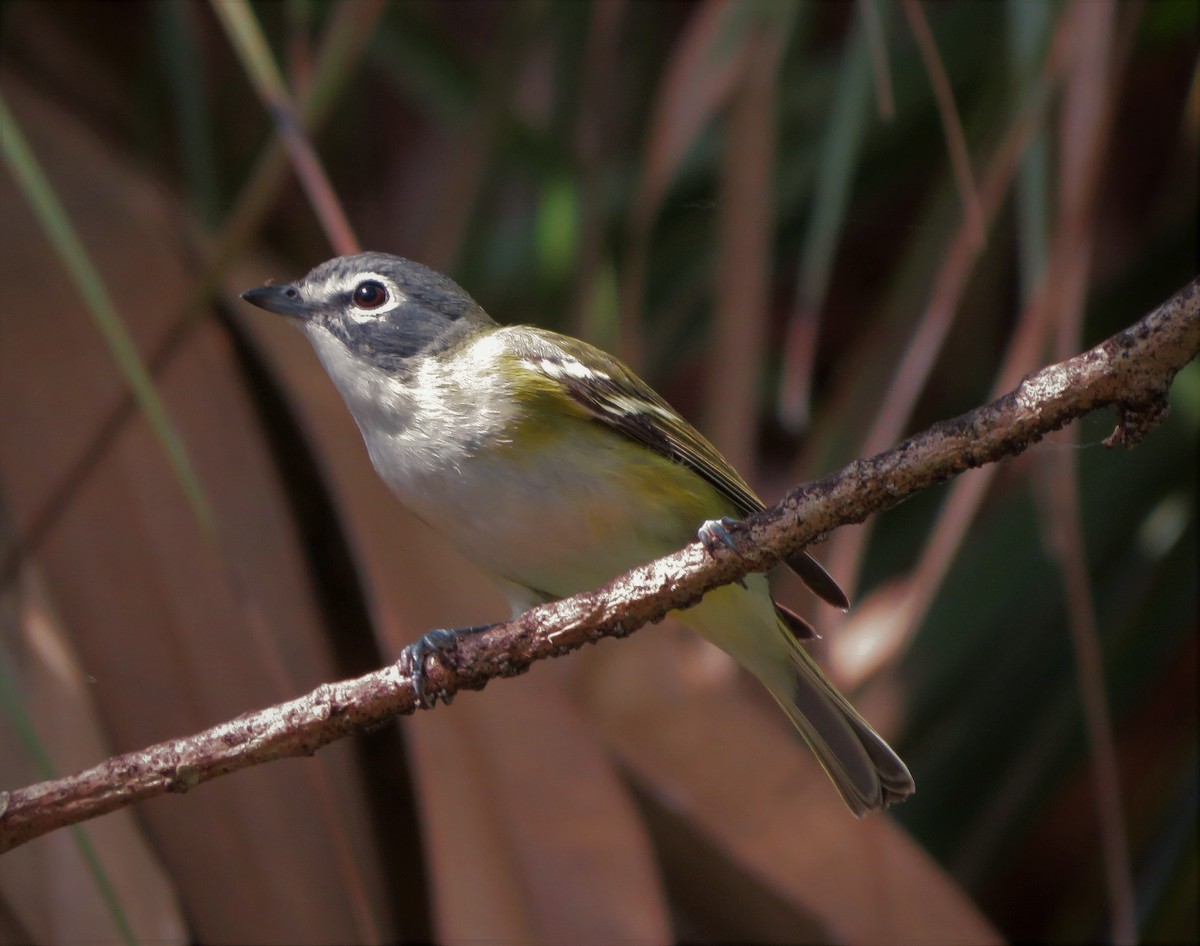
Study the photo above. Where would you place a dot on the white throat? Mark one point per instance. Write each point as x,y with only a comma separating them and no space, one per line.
422,423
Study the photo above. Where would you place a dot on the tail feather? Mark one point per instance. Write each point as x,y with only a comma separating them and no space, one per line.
744,622
866,771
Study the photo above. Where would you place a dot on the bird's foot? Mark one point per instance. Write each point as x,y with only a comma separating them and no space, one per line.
717,532
439,644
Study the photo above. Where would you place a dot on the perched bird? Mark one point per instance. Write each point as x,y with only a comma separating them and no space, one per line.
555,468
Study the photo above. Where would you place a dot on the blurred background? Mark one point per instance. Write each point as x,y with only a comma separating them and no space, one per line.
815,228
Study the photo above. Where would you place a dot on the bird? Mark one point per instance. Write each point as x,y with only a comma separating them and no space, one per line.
554,468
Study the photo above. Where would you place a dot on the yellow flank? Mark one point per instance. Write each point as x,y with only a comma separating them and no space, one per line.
614,471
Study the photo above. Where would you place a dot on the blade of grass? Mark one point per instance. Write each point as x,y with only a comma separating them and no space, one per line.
593,128
1063,528
1028,31
23,166
476,150
298,15
1086,122
696,81
418,58
840,150
175,24
874,26
956,142
743,252
250,44
14,708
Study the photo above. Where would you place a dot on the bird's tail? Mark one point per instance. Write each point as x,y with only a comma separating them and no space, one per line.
867,772
744,622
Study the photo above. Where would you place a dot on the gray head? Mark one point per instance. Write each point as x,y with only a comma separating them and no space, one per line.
384,309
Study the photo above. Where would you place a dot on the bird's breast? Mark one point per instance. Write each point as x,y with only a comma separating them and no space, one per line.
582,507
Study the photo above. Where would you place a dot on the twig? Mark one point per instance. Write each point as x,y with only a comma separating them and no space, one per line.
1132,371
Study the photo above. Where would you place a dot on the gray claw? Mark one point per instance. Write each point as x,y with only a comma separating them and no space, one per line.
715,532
437,643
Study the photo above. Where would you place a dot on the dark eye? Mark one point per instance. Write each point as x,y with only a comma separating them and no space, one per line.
369,295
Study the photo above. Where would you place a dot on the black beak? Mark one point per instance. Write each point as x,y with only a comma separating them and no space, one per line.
282,300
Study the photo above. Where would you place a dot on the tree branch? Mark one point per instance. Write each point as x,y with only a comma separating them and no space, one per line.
1132,371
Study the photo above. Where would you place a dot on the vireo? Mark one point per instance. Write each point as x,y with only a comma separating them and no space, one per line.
555,468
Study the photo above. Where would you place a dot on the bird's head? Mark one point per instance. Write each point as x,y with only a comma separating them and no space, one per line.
385,311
